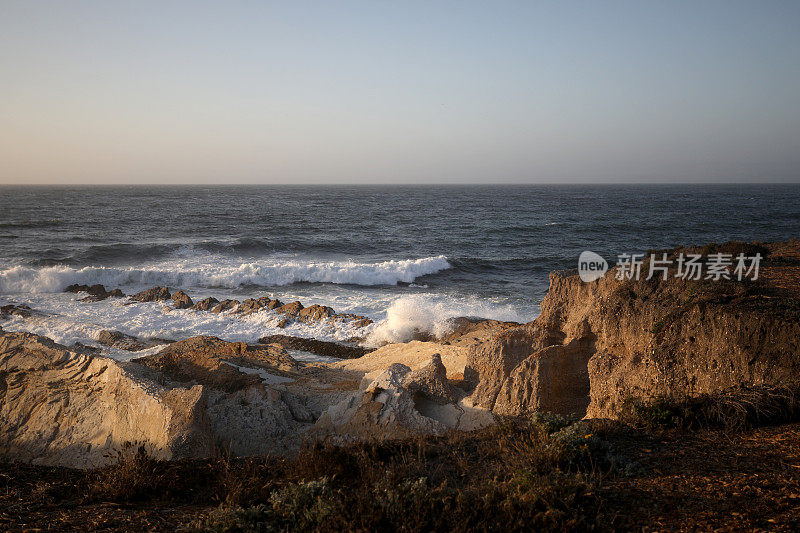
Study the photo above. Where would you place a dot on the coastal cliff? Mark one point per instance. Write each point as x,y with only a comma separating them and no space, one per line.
595,346
599,344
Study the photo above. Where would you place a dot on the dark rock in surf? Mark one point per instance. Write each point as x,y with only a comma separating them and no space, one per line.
77,288
292,309
225,305
182,300
120,341
315,313
357,320
10,310
156,294
253,305
96,292
206,304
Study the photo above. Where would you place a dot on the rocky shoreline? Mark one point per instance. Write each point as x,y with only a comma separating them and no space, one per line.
595,347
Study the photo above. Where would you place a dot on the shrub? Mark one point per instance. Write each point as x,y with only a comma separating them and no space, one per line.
734,409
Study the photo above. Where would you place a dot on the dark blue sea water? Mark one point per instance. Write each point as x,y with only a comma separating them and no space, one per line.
479,249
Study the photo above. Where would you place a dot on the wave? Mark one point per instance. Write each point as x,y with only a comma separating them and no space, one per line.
219,274
409,315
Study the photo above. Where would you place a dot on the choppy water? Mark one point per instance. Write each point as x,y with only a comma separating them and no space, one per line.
418,253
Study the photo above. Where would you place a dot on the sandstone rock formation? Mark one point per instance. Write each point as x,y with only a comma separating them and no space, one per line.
398,401
326,348
121,341
72,407
383,409
204,360
597,344
431,382
62,407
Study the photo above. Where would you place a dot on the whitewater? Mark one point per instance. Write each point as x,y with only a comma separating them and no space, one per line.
68,320
216,271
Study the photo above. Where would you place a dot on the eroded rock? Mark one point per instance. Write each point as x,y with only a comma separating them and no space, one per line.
60,407
121,341
156,294
204,360
601,343
292,310
181,300
225,305
206,304
431,382
383,409
314,313
326,348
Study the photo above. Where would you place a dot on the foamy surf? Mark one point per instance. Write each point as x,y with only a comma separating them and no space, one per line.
67,320
409,315
215,272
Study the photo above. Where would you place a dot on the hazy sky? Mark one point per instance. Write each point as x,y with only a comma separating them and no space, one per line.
378,92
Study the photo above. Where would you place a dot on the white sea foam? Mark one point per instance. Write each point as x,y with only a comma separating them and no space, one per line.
213,272
410,314
67,320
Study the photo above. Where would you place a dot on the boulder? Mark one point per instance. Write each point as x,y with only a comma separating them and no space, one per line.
181,300
116,293
9,310
383,409
156,294
121,341
431,382
253,305
225,305
314,313
326,348
292,310
206,304
61,407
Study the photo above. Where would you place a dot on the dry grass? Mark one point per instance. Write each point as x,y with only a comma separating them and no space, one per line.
534,472
733,409
538,472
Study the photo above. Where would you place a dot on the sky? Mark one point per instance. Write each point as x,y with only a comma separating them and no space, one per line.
102,92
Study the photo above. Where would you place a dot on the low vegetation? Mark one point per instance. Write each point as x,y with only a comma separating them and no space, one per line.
535,472
733,409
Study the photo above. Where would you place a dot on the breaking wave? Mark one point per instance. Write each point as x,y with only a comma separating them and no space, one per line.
191,273
410,315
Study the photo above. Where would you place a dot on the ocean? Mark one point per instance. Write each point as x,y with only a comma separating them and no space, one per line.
406,256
